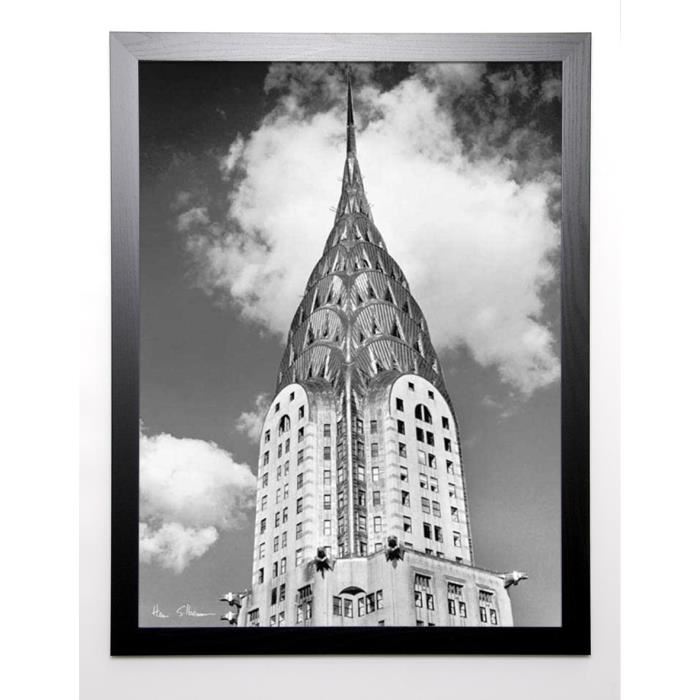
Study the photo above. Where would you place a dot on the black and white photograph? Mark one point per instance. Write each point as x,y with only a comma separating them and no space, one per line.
350,342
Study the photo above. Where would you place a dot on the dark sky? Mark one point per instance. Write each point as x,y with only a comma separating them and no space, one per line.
204,360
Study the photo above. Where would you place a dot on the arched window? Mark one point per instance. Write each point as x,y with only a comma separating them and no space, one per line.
283,425
422,413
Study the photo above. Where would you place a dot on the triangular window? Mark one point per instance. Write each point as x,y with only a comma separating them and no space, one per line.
388,296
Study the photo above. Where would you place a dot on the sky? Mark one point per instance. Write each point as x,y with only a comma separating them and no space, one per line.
240,171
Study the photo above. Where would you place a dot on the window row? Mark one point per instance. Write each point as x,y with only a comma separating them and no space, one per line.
422,413
366,605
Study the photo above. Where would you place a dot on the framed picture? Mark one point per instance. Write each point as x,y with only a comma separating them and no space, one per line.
350,344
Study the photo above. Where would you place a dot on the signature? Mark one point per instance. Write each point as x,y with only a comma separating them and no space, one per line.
185,610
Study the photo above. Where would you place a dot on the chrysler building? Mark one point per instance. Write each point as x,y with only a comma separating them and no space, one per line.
361,513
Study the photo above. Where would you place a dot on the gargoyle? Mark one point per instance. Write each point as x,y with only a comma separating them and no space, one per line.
234,598
394,551
513,578
323,562
231,617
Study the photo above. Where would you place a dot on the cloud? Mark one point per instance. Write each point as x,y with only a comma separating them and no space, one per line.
250,422
190,490
465,200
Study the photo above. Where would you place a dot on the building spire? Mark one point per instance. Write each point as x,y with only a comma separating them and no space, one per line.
351,146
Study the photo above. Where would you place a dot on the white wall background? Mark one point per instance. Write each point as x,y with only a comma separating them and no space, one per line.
55,280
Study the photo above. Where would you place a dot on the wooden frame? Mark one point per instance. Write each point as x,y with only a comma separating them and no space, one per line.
573,50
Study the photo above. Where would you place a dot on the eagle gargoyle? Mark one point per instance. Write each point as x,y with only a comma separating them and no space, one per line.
231,617
513,578
234,598
394,551
323,562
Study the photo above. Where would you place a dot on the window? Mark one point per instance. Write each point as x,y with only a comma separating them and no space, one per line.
300,504
283,570
286,446
428,529
277,519
283,425
425,505
326,527
402,449
273,597
285,514
261,550
403,473
448,445
300,434
284,539
265,479
254,618
373,427
422,457
300,456
266,457
450,466
361,498
360,471
304,604
374,450
363,548
280,618
432,462
436,509
273,621
376,498
300,481
405,498
267,436
360,606
455,600
275,543
422,413
298,531
337,605
261,575
326,430
291,396
433,484
451,490
411,386
375,473
419,435
429,551
377,523
445,423
360,449
263,525
401,427
279,450
407,524
327,452
275,569
454,513
369,603
347,607
326,501
297,557
277,407
399,404
430,438
431,395
362,522
278,495
457,540
327,478
423,480
380,600
421,592
279,472
286,468
359,425
487,608
301,412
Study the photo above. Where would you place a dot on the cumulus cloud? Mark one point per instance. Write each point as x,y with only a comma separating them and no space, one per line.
465,197
250,422
190,490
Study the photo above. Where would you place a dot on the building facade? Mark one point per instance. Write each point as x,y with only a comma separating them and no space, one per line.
362,514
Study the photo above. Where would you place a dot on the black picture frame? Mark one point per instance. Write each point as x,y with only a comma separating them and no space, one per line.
573,637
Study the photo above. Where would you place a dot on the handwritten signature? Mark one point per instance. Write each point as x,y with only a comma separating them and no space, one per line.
185,610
